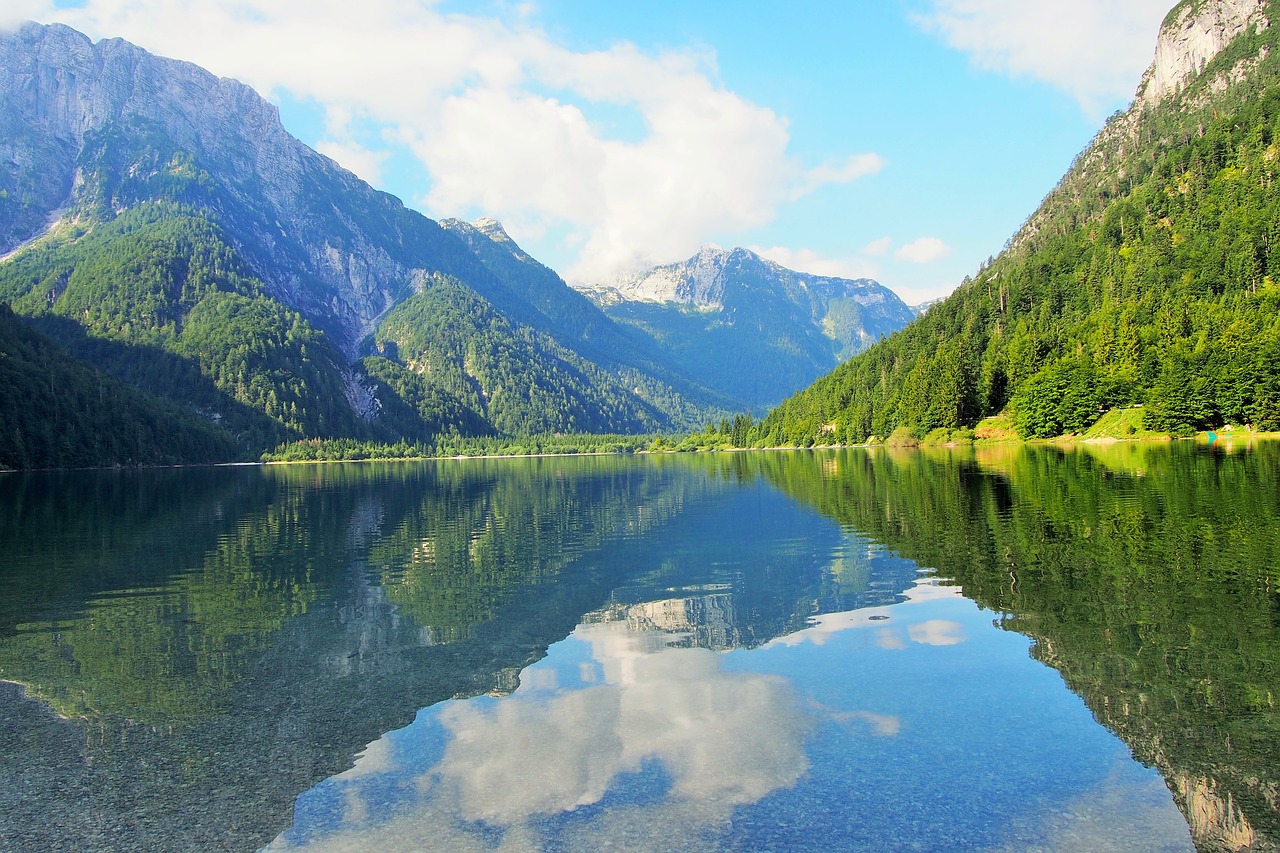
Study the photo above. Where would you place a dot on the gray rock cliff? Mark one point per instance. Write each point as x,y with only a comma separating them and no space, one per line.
739,280
1192,35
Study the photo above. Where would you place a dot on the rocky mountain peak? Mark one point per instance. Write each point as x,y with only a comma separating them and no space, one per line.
486,234
697,281
703,281
1194,32
76,86
710,253
492,228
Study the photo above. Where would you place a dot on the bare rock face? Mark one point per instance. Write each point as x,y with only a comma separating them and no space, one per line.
72,114
698,282
1192,37
73,87
1216,822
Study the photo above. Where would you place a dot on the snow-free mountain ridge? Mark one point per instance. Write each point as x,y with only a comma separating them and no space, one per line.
161,221
748,327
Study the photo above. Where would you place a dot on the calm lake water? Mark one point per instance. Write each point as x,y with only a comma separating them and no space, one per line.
1006,649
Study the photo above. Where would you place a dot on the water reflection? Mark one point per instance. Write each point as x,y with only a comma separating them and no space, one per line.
756,652
634,734
187,637
621,705
726,737
1147,575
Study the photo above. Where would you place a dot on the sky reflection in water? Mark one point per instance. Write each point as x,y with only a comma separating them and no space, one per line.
880,728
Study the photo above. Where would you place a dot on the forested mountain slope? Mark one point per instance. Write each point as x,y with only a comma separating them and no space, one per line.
1147,276
157,298
536,296
57,412
96,129
516,379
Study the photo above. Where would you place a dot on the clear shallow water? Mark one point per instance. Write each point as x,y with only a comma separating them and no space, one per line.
851,650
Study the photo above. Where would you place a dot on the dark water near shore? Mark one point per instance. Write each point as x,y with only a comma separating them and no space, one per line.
1003,649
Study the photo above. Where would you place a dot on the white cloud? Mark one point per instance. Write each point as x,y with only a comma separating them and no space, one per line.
497,113
924,591
1095,50
809,261
723,739
920,293
876,248
890,640
351,155
937,632
11,18
883,725
924,250
857,166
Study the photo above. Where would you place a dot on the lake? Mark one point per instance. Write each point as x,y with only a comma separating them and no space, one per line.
1001,649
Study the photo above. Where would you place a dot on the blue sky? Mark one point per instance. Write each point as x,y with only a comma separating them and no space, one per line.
905,140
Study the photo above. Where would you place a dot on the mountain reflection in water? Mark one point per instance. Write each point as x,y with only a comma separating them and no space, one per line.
1147,575
731,651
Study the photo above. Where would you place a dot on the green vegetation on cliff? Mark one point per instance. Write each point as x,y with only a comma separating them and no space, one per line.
516,379
157,299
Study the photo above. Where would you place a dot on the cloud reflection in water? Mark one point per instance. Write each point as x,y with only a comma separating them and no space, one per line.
631,734
647,734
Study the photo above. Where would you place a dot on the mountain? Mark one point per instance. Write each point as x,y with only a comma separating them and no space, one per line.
536,296
925,306
160,223
1148,276
749,328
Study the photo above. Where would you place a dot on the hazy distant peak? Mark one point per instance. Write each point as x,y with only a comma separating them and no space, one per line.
701,281
486,231
923,307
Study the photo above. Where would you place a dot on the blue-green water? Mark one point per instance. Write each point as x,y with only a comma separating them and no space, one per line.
1010,649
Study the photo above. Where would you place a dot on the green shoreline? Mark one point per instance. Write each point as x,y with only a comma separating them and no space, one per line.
1069,440
1059,441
